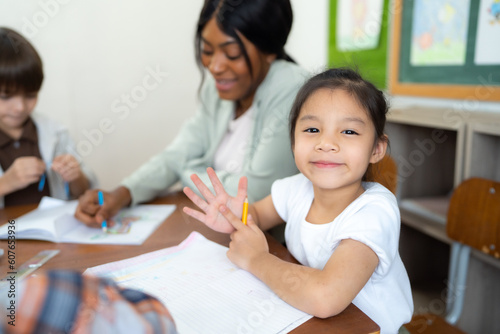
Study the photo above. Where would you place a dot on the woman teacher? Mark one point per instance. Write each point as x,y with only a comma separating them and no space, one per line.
240,127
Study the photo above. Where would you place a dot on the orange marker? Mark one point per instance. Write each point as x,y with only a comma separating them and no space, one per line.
244,215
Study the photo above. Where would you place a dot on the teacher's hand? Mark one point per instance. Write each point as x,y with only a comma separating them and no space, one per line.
92,214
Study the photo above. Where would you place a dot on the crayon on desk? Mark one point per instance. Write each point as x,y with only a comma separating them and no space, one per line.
104,224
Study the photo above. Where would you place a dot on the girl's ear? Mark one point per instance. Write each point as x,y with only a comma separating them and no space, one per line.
379,149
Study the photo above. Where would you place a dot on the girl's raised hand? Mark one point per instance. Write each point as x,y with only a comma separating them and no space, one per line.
211,204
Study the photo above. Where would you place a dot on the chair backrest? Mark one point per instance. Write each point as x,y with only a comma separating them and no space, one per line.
474,215
385,172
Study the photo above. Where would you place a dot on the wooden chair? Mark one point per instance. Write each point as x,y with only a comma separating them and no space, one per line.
473,222
384,172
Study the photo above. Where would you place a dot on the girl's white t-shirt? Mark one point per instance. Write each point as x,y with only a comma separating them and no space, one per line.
373,219
232,150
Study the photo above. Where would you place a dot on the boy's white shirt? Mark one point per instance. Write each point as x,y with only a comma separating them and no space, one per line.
373,219
51,133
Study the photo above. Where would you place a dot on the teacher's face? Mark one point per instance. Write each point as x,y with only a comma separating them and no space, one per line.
223,57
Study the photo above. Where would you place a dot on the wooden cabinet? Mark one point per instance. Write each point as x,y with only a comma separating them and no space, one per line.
428,147
435,150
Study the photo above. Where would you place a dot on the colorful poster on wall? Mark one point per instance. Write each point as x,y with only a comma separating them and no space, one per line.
488,33
439,32
371,62
358,24
475,78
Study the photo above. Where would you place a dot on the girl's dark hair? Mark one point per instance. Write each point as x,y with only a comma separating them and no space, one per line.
369,97
265,23
21,69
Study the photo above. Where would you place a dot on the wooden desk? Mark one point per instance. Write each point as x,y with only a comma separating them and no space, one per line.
175,229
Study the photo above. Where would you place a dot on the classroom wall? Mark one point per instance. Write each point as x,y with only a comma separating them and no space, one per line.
121,74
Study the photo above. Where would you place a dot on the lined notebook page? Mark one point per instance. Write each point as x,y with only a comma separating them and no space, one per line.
203,290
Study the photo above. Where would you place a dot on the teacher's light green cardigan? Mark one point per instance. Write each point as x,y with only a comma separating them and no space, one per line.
268,158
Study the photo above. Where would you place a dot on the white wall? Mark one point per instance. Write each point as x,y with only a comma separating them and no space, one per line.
99,55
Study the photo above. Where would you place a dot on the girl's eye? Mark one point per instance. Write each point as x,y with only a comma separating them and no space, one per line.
311,130
4,96
349,132
31,95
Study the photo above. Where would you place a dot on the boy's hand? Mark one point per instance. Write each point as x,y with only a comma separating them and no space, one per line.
248,242
210,205
23,172
67,166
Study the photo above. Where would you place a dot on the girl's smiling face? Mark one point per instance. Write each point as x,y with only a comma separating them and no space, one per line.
223,57
335,140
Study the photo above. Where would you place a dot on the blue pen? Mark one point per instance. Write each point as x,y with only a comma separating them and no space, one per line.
104,224
41,184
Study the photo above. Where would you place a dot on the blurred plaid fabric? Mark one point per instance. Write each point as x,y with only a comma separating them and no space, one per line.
68,302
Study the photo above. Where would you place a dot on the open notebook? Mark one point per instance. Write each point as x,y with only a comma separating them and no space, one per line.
53,220
203,290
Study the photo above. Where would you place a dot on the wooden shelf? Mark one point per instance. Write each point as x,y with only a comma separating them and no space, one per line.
426,214
483,150
428,148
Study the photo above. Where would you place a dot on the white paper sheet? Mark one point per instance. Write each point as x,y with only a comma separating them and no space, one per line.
439,32
488,32
204,291
358,24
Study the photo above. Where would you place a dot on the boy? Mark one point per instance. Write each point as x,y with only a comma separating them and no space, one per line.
35,159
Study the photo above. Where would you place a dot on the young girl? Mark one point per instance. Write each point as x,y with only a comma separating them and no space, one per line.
343,230
35,152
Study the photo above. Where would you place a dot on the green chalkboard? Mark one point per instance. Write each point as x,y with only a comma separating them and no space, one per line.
467,73
372,64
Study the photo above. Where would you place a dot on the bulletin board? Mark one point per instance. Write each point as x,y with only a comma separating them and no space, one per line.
371,63
419,64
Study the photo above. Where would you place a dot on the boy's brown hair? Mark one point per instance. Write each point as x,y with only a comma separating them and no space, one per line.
21,69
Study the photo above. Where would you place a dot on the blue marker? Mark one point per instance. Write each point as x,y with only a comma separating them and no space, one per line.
104,224
66,188
41,184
